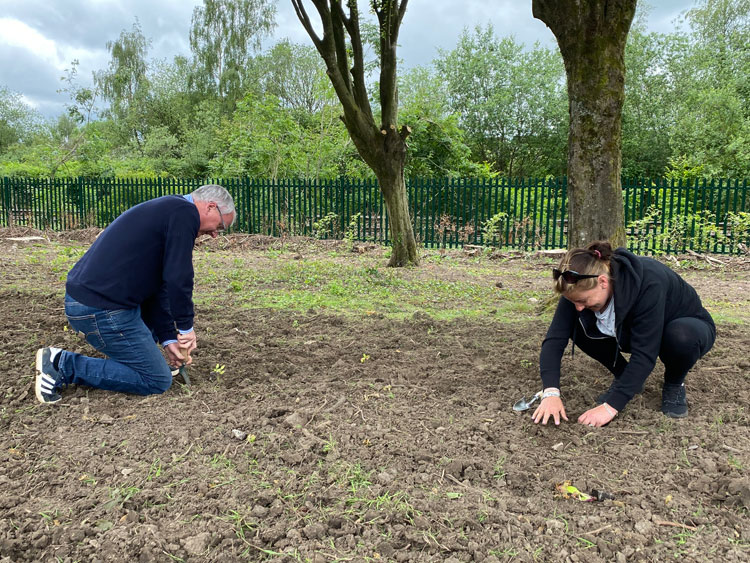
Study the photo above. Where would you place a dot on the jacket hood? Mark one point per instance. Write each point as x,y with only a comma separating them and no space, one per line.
627,271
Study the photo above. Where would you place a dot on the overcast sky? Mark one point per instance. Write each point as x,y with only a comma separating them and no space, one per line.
40,38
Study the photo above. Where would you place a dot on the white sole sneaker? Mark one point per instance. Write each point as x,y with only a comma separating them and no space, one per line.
44,386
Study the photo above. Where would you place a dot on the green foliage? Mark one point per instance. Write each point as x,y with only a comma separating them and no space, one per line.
125,84
325,225
492,228
350,234
264,139
699,231
712,124
650,103
81,107
436,145
488,107
511,102
223,34
18,121
296,75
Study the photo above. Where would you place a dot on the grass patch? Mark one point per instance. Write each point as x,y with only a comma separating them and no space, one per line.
363,287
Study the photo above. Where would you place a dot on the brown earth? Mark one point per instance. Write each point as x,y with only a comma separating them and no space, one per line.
301,449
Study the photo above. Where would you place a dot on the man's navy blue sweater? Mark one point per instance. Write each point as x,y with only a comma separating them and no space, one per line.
144,258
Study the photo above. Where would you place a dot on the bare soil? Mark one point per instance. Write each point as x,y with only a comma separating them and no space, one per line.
300,448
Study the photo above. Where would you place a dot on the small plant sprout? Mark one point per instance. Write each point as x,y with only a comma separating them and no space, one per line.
219,369
154,470
329,445
364,358
351,230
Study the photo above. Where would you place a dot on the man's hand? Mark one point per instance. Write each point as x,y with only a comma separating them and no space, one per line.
551,406
188,342
174,354
598,416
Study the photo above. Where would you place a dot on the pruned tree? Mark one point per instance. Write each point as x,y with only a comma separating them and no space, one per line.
591,35
382,146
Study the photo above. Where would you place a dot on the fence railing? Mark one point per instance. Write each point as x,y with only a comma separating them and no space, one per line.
660,215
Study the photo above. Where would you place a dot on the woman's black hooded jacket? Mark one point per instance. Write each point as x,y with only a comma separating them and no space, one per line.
648,295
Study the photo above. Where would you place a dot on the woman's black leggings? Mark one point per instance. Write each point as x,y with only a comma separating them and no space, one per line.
684,342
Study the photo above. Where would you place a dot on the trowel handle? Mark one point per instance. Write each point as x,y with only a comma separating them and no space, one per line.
185,355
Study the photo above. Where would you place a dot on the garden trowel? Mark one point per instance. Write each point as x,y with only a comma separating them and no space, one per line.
524,405
182,370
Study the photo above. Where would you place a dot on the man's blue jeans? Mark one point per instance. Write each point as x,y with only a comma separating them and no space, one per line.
134,362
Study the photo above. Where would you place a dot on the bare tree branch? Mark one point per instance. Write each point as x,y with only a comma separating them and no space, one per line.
299,8
358,67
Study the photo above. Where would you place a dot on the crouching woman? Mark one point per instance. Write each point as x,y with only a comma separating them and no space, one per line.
614,302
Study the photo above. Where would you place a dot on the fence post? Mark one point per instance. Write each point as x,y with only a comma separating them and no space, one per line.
6,201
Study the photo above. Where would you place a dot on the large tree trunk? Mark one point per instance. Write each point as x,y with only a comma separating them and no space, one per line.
390,173
591,35
385,153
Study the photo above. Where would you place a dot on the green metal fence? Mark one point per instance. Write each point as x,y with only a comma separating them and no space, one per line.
660,215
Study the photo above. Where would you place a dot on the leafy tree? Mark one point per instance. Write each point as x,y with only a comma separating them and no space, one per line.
296,75
18,121
591,35
511,102
223,36
82,106
383,146
650,106
125,83
264,139
712,78
437,146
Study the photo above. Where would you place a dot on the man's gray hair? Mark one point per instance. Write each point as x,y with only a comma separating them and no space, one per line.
217,194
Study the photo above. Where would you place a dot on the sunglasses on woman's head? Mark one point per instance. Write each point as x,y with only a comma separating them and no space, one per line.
571,276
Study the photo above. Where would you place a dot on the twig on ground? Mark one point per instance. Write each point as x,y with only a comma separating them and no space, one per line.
359,411
457,482
425,427
731,449
594,532
674,525
633,432
325,401
21,397
705,257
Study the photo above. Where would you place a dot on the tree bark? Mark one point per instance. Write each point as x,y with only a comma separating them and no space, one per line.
382,148
591,35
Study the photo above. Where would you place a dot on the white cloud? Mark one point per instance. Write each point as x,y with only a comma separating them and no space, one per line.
15,33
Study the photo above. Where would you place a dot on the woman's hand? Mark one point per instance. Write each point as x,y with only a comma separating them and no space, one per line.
598,416
551,406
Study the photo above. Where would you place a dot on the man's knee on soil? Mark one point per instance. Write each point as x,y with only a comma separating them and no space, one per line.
155,384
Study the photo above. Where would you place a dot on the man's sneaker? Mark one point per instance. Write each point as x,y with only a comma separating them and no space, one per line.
48,379
603,397
674,400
